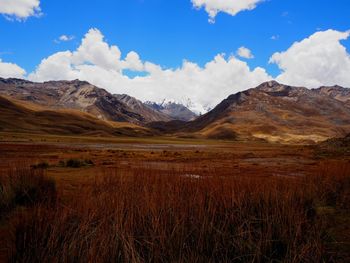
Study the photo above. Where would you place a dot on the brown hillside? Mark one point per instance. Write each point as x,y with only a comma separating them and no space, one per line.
18,118
274,112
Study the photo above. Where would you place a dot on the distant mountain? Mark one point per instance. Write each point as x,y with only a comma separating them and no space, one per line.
25,117
149,114
274,112
176,111
83,96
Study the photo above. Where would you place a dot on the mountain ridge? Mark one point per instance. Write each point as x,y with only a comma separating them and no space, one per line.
177,111
271,111
28,118
83,96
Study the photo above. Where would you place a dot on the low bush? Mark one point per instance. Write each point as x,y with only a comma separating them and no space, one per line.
76,163
41,165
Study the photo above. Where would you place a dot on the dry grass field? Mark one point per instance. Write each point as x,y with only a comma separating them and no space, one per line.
84,199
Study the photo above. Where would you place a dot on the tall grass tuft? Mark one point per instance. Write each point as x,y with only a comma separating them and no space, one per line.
24,186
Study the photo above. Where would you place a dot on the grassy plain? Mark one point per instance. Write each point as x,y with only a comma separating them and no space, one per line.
163,199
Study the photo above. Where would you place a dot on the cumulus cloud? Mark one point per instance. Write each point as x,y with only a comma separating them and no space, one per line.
204,86
133,62
318,60
11,70
232,7
244,52
20,9
103,65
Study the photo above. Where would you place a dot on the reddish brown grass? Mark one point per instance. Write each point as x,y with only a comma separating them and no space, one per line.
22,186
150,216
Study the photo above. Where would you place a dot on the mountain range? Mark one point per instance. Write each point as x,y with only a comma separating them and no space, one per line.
271,111
81,95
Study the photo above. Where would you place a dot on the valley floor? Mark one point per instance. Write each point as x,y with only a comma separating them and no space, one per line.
163,153
189,158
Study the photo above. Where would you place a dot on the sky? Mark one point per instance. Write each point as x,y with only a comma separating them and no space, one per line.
196,52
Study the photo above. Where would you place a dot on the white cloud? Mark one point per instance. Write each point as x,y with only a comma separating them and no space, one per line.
102,65
275,37
20,9
133,62
244,52
318,60
232,7
65,38
204,86
94,50
10,70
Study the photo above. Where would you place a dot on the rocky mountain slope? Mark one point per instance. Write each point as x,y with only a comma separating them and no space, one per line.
175,110
336,92
83,96
273,112
79,95
149,114
16,116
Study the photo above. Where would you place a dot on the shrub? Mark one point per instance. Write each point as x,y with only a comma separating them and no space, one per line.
75,163
41,165
89,162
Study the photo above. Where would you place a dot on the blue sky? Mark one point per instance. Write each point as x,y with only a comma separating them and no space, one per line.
168,32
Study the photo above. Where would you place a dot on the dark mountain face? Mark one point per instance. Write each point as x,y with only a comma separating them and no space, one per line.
336,92
155,106
82,96
175,110
148,113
